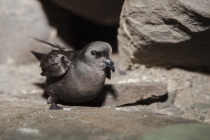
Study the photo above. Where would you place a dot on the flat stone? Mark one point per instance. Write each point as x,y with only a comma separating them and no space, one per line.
23,119
134,93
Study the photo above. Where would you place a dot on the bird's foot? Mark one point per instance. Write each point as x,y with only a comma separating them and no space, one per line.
55,107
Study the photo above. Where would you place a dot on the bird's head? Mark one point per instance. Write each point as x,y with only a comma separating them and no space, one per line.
98,55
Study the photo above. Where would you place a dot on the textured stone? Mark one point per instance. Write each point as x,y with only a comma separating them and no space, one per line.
23,119
169,33
105,12
188,92
20,20
165,33
135,93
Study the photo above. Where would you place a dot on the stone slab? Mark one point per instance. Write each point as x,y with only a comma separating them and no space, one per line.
23,119
144,93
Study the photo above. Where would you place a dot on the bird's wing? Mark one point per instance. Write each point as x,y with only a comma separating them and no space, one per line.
54,64
38,55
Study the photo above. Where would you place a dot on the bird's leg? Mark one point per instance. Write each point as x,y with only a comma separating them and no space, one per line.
53,100
50,100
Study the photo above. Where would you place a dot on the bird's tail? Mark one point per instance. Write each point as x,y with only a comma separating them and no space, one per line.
45,42
38,55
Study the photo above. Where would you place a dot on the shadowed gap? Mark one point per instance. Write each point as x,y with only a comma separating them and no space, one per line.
76,31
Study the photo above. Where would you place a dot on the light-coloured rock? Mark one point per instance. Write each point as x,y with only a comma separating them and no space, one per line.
137,93
165,33
169,33
24,119
189,93
19,21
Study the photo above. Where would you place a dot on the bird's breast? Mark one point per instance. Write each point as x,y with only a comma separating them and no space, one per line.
82,85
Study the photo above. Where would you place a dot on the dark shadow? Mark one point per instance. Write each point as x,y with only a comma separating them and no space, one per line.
77,31
148,101
203,70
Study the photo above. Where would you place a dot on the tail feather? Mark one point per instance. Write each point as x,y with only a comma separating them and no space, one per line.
53,45
38,55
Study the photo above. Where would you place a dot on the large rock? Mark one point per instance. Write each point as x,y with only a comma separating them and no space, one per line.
169,33
166,33
20,20
105,12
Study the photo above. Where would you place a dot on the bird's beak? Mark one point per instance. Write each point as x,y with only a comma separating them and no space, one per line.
109,64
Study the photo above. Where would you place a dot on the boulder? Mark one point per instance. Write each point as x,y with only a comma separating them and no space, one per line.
165,33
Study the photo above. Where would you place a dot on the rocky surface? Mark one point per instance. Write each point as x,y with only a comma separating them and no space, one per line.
25,114
188,92
27,119
19,21
105,12
172,92
137,93
165,33
172,35
134,102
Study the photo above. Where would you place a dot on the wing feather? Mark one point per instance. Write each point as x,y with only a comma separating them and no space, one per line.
54,64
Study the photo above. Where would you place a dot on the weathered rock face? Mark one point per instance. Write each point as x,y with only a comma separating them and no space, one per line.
169,33
19,20
105,12
165,33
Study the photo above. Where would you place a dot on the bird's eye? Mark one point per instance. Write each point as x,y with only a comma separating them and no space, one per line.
93,53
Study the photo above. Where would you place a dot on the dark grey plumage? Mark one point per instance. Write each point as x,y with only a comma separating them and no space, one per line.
76,76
